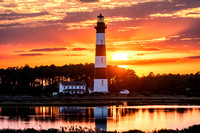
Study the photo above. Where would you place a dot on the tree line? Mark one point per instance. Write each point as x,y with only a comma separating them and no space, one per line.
43,80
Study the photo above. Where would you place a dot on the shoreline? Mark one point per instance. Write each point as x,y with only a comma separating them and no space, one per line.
73,129
94,100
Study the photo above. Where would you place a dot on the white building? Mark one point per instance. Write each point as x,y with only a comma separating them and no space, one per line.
55,93
124,91
90,90
72,87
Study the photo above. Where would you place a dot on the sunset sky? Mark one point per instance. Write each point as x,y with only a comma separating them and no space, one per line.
160,36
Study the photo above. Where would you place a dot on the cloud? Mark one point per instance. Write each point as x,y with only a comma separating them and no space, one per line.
71,20
129,28
140,54
87,24
146,62
26,35
19,51
133,48
185,13
154,61
48,49
186,39
11,15
142,41
131,9
74,55
88,1
6,56
9,5
11,25
157,61
128,9
79,49
150,49
194,57
32,54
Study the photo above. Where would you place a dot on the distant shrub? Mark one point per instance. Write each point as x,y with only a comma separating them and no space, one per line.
60,94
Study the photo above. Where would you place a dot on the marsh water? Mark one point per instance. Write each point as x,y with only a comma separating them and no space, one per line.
110,118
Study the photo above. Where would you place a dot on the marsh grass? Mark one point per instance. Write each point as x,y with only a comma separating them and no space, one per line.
79,129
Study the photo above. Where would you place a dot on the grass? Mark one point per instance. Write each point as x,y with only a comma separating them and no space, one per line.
78,129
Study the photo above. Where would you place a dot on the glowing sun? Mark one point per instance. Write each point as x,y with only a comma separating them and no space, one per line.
120,56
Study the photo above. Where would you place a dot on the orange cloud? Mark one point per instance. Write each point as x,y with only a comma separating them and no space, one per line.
74,55
31,54
159,28
145,62
129,28
48,49
154,61
186,13
87,24
79,49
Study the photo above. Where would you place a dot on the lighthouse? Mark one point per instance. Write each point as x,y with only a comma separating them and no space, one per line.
100,73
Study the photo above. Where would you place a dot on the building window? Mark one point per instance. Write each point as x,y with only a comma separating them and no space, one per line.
102,82
101,59
101,41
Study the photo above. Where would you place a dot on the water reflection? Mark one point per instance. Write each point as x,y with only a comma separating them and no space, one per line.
120,118
100,115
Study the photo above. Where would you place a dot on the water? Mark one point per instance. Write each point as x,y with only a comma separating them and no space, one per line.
110,118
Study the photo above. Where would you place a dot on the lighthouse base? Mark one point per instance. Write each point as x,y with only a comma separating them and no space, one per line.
101,85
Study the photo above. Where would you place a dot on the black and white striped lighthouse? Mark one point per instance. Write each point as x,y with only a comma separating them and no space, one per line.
100,73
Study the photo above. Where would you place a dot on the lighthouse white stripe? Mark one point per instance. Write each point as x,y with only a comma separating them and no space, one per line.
100,39
100,85
100,62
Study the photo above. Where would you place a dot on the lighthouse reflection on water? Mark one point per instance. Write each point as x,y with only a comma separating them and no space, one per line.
99,114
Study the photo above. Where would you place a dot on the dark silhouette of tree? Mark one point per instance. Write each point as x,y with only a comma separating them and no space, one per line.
43,80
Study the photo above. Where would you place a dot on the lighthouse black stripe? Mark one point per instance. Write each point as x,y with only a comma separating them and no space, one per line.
100,50
100,73
100,27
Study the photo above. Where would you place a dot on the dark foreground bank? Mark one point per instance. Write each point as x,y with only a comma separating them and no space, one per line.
191,129
96,100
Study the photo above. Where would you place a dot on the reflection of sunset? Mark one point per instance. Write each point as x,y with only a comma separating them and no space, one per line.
120,118
47,111
152,117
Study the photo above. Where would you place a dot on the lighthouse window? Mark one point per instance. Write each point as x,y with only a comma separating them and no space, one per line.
102,82
101,59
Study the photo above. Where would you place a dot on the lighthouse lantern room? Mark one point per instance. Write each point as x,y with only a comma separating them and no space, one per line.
100,19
